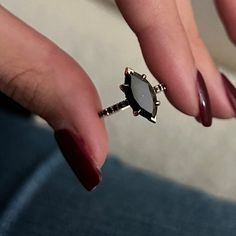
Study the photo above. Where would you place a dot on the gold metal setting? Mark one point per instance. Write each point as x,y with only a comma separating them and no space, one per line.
129,102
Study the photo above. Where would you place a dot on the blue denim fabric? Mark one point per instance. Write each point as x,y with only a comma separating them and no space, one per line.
39,195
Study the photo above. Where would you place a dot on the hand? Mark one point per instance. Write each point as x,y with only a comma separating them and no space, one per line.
174,51
44,79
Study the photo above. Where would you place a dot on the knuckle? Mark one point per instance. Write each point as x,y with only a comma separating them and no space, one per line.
27,88
29,85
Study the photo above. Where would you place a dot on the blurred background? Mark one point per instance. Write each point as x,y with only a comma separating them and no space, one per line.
178,148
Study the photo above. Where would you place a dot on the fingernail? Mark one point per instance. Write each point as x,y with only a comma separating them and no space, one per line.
205,115
79,159
230,91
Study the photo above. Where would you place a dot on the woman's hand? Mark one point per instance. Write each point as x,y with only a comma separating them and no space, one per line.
44,79
174,52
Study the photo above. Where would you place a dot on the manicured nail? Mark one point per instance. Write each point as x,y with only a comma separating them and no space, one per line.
230,91
205,115
79,159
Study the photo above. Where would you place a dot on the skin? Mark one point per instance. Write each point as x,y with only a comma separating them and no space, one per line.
33,73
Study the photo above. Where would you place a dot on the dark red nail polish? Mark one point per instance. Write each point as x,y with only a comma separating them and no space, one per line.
205,115
230,91
79,159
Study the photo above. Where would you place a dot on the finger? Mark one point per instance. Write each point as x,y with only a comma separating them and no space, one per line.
227,11
45,80
165,48
221,107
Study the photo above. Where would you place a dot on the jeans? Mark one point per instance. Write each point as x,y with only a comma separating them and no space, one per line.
39,195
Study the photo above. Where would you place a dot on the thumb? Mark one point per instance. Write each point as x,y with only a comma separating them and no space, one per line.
45,80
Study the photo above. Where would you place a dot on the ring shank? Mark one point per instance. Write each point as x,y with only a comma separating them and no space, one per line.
114,108
125,103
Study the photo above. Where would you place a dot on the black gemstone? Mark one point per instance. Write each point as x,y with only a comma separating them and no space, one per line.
141,95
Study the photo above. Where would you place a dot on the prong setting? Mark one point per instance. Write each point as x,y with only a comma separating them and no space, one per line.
128,71
140,96
136,113
124,87
144,76
153,119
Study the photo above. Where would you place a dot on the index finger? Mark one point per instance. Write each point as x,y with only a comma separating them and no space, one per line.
165,48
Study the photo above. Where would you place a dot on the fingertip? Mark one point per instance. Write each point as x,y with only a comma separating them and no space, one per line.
205,110
79,157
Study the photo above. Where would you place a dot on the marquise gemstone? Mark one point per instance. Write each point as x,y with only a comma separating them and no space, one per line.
141,92
141,96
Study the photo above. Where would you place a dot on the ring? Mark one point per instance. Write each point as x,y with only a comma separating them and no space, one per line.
139,95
